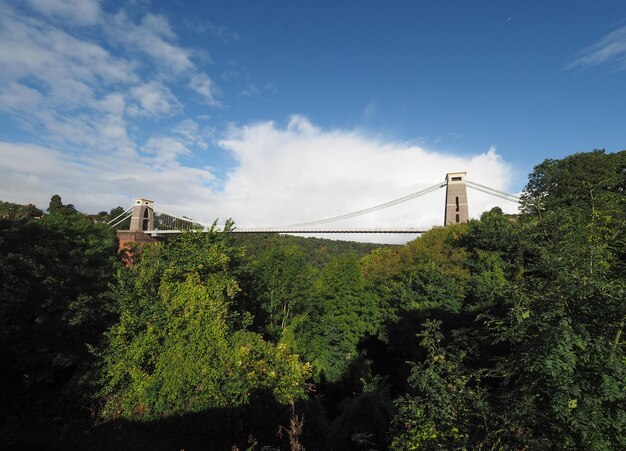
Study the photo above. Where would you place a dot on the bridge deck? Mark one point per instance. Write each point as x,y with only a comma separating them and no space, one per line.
306,231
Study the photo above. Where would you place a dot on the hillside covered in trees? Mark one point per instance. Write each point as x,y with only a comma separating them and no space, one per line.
503,333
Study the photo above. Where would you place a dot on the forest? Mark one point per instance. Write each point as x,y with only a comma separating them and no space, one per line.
503,333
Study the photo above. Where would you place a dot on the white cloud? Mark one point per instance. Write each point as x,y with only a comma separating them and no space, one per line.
253,90
283,176
86,102
95,182
166,150
154,99
16,96
113,103
187,130
202,84
190,133
302,173
158,26
610,49
76,90
249,91
33,48
151,37
84,12
57,84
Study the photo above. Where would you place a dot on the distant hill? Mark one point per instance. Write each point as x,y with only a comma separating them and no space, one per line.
318,250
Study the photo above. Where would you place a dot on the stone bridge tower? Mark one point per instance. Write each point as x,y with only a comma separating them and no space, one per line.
456,199
142,218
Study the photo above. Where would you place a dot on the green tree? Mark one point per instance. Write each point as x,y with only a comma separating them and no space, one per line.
539,361
55,304
347,313
446,405
565,377
495,259
179,346
55,204
284,286
116,213
13,211
428,272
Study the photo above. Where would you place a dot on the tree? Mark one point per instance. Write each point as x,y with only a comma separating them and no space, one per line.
426,272
446,405
115,217
347,313
539,362
495,258
55,203
55,305
56,206
13,211
178,346
284,284
565,376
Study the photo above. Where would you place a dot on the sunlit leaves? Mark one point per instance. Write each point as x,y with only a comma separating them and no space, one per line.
177,347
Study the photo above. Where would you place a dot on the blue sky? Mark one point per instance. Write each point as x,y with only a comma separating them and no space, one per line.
268,110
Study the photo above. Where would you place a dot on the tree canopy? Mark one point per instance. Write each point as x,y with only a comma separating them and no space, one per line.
503,333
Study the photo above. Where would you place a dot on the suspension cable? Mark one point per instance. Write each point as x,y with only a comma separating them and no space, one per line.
122,214
497,194
180,218
120,221
371,209
478,185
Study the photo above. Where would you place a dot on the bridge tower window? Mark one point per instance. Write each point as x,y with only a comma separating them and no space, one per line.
457,217
146,220
457,204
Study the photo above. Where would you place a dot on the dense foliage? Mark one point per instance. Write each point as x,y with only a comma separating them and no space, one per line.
503,333
539,362
179,346
54,292
11,211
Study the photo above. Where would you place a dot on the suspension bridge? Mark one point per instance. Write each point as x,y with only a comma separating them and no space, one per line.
148,221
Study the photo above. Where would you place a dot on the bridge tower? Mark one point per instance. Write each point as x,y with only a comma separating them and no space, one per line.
142,218
456,199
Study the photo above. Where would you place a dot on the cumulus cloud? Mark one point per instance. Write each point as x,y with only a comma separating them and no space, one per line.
30,47
165,150
301,173
283,176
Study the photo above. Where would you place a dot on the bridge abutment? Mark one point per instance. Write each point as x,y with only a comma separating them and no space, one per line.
126,238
